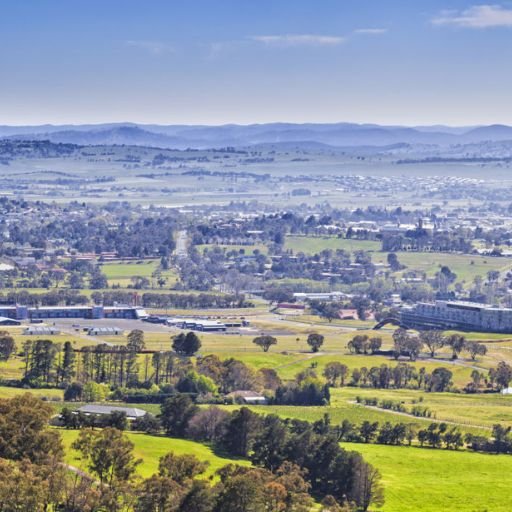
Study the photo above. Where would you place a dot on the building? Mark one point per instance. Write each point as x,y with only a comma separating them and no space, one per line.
132,413
87,312
322,296
8,321
460,315
247,397
104,331
40,330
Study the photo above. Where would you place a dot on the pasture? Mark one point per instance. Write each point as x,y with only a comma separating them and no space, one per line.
425,480
151,448
315,244
121,273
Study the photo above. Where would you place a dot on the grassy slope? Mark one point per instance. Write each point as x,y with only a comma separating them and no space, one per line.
424,480
151,448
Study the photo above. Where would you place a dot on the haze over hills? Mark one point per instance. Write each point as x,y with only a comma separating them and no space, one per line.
199,136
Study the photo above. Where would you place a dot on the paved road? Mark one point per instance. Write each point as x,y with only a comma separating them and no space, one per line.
181,244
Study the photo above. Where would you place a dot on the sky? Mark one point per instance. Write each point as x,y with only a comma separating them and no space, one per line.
412,62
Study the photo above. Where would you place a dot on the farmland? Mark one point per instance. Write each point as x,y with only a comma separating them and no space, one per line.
424,480
151,448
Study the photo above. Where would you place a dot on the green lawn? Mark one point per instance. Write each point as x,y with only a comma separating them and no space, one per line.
425,480
465,266
312,245
50,394
151,448
120,273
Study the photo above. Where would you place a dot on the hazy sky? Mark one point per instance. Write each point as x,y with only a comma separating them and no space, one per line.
247,61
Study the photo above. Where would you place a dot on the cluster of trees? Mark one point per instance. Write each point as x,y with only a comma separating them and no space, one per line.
419,239
363,344
436,435
402,375
103,371
409,345
173,300
310,453
314,340
137,233
51,298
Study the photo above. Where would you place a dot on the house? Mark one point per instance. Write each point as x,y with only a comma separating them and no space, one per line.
348,314
132,413
247,397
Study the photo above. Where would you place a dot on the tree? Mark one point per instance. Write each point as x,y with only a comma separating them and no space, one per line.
186,344
359,344
241,431
315,341
73,392
136,340
76,281
393,262
269,443
367,488
175,414
241,493
433,340
457,342
24,432
200,498
440,380
98,280
368,430
109,457
335,371
181,468
503,375
7,345
475,349
375,344
208,424
67,371
265,342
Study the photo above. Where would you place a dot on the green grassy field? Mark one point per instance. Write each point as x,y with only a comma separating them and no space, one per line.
50,394
312,245
120,273
480,411
425,480
151,448
466,266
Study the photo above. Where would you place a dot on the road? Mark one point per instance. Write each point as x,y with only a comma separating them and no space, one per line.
181,244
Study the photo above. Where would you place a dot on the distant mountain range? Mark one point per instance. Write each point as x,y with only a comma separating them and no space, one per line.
337,135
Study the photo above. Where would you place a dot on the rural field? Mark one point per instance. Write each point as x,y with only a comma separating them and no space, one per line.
425,480
151,448
436,479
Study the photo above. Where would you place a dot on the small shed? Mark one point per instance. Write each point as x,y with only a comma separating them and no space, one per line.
248,397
